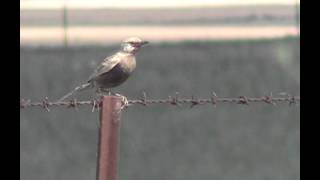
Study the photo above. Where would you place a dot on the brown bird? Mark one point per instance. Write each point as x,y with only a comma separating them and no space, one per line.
113,70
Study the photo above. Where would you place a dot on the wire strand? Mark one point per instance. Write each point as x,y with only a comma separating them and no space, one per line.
171,100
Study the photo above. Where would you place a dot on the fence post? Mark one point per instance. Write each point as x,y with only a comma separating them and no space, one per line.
65,25
297,8
107,160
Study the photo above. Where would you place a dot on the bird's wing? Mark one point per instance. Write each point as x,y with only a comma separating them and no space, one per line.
106,65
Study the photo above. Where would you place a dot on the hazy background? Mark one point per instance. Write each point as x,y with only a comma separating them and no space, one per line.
83,22
234,48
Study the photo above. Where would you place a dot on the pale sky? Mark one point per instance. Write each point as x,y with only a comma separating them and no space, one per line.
53,4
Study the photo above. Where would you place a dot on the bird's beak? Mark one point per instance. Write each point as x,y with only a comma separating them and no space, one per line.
144,42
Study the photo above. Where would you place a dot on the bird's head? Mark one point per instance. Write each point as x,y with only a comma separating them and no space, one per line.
133,44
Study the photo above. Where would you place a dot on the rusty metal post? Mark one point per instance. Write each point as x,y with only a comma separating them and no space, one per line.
107,162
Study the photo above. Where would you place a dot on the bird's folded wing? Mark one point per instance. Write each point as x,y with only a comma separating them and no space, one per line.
106,65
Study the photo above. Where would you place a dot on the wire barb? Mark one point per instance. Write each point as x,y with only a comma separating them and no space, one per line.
213,99
268,99
243,100
195,102
24,103
144,99
292,100
46,103
175,101
73,103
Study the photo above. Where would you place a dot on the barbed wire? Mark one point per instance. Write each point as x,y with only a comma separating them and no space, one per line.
175,100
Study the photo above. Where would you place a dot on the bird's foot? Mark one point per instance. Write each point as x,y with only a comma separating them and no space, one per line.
125,102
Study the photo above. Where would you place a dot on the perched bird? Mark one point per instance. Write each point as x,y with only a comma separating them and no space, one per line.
113,70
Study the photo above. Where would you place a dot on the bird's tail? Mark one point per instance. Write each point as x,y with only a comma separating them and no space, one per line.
78,88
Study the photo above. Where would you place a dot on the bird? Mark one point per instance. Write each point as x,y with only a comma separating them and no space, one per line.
113,70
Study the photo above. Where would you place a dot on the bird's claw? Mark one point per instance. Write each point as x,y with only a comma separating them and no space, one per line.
125,102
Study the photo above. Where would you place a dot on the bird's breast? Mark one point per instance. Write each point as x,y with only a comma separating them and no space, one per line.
128,64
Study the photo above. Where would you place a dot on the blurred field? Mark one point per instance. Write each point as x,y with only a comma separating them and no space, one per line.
219,15
256,142
79,36
106,26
